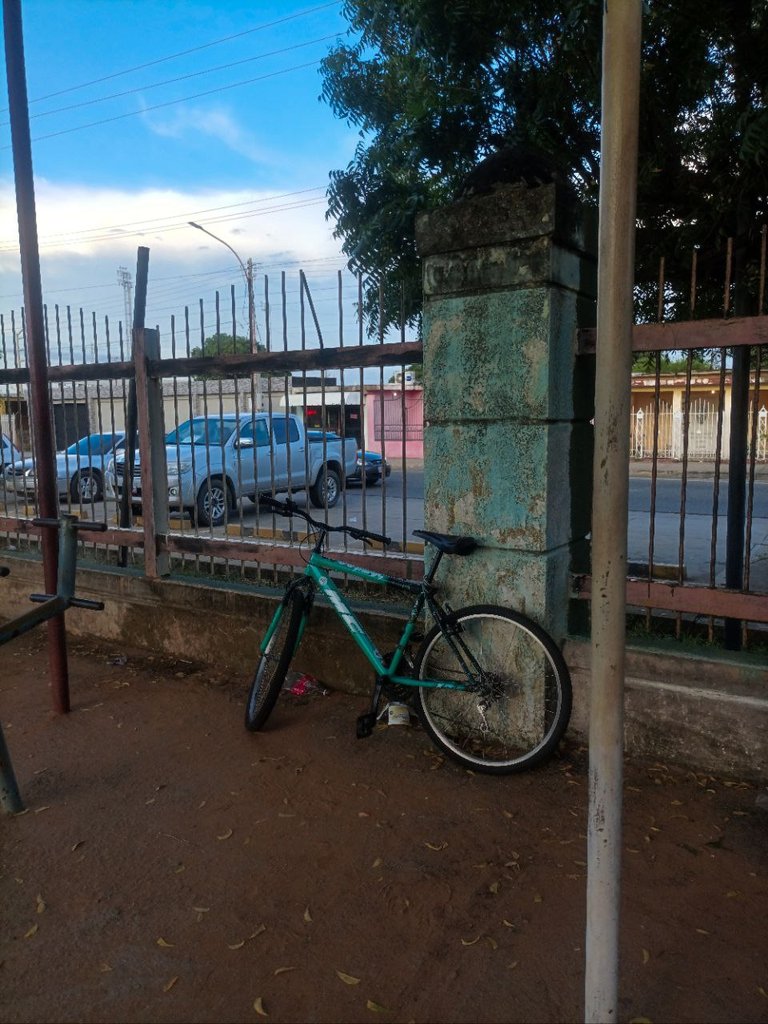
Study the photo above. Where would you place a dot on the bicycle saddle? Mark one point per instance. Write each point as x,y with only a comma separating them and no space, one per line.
448,544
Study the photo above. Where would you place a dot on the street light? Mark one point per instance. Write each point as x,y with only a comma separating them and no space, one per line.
247,269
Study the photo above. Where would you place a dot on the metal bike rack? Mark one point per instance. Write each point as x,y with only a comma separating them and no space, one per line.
50,605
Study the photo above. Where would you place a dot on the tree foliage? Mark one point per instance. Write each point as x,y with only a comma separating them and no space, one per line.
224,345
433,88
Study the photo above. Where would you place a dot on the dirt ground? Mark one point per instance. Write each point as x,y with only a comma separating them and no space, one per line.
172,867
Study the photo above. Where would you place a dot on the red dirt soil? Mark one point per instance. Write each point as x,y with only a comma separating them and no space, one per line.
171,866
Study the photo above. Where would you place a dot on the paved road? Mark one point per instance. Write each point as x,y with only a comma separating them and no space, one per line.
396,508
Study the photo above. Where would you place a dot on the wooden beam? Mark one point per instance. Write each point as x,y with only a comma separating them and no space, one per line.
688,334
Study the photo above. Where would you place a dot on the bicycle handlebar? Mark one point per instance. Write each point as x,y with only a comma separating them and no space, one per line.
290,508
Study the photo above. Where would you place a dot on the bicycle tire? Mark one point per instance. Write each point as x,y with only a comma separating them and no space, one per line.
516,717
273,663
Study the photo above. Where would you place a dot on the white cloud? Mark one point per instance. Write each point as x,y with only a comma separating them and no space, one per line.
214,123
85,233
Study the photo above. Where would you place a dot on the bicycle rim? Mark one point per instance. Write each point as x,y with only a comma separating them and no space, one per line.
273,664
517,714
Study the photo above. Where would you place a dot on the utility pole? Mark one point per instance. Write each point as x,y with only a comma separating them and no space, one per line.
125,281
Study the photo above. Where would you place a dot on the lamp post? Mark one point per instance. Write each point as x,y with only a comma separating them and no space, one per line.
247,269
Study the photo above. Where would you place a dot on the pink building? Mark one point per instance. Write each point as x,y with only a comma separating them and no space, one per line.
394,420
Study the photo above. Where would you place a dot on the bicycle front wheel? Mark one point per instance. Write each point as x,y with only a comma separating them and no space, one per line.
274,661
515,712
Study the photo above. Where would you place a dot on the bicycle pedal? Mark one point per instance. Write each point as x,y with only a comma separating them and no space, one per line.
365,725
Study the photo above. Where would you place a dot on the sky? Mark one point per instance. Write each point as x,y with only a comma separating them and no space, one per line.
148,114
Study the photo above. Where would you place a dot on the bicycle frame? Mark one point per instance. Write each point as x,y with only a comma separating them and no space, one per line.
317,572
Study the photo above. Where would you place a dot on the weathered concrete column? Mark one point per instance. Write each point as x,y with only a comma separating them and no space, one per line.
508,276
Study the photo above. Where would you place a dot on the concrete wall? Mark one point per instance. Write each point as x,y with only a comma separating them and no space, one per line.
711,715
508,277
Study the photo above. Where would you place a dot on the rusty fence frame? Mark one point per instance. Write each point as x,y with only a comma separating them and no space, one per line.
148,370
676,596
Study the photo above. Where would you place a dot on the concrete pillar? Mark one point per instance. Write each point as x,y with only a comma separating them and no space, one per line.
508,276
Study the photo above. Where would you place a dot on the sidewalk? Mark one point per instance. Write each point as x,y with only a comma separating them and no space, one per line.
172,867
696,470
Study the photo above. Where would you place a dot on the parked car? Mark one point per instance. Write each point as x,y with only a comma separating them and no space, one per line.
213,461
9,453
375,465
79,469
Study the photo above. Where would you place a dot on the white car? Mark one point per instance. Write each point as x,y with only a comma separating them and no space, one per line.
79,469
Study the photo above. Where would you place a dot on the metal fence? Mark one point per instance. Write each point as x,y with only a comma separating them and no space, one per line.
198,380
702,432
698,518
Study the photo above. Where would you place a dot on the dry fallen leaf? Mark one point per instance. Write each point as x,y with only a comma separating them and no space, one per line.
164,944
494,887
259,930
470,942
347,978
646,956
307,916
32,931
169,984
491,942
376,1007
236,945
258,1006
40,904
284,970
436,846
377,863
105,967
513,965
225,835
77,845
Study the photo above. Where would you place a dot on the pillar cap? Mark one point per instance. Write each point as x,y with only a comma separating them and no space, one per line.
508,214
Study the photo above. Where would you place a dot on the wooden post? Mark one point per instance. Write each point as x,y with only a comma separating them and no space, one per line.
154,468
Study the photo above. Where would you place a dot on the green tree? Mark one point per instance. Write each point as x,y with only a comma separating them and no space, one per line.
433,88
224,345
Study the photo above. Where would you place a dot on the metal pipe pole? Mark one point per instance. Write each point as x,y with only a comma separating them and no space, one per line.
247,274
48,499
618,186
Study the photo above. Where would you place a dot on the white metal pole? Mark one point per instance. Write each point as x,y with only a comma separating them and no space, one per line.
618,186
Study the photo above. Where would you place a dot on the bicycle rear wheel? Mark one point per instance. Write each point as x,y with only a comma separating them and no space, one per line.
274,661
517,713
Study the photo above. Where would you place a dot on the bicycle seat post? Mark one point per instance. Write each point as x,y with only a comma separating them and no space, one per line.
429,577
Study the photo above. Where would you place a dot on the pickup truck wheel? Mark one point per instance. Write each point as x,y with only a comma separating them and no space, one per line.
326,489
85,486
213,501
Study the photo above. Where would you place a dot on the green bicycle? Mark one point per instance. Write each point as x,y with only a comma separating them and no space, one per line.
490,686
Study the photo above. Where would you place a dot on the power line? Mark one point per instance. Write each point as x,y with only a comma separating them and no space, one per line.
180,78
183,53
87,238
156,223
171,103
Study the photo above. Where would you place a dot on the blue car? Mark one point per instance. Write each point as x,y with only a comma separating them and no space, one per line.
375,465
79,469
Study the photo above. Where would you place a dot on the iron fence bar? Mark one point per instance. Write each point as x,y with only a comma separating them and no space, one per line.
691,599
716,480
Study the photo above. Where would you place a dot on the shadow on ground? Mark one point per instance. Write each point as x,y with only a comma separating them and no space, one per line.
172,867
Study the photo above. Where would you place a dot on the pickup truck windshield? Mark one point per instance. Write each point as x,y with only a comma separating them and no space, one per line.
203,431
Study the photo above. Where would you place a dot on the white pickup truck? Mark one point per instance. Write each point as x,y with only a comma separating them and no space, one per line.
213,461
